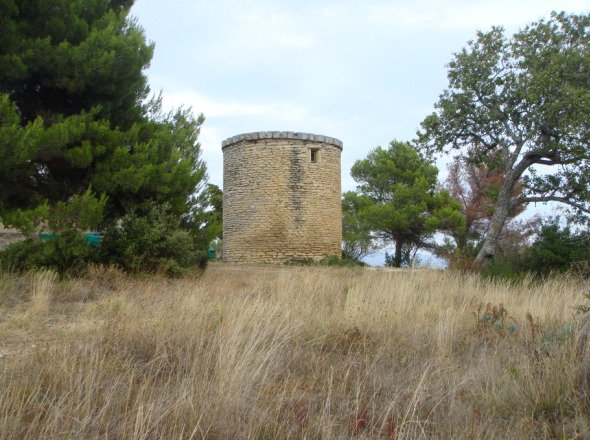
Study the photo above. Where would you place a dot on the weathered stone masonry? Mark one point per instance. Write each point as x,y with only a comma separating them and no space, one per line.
281,197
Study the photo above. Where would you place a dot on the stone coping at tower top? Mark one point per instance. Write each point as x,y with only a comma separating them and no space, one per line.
281,135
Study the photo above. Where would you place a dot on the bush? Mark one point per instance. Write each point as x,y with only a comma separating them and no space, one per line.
340,262
557,247
299,262
327,261
66,253
153,242
504,269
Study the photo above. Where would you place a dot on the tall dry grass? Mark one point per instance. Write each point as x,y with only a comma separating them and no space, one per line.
267,352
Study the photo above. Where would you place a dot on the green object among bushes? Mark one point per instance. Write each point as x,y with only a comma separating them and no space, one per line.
67,253
154,240
92,238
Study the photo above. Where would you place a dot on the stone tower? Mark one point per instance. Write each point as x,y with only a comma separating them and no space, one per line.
281,197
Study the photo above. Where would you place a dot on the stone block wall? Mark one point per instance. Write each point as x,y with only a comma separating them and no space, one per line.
8,236
281,197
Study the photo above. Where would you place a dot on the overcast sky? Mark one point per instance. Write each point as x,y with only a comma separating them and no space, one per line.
364,72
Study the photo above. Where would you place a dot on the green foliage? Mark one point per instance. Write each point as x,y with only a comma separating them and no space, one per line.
494,320
522,102
556,247
390,260
208,213
67,253
397,198
505,269
341,262
299,262
76,125
152,241
64,57
81,142
357,241
584,308
407,257
327,261
83,212
28,221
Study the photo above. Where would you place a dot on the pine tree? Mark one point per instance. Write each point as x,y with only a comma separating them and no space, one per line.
77,119
83,144
398,201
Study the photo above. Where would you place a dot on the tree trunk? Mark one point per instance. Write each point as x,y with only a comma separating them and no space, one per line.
397,260
492,240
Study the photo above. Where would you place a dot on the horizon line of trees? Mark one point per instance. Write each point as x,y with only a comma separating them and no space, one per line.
85,145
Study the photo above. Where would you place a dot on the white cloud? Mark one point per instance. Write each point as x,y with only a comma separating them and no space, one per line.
364,72
219,115
210,107
429,15
214,108
210,141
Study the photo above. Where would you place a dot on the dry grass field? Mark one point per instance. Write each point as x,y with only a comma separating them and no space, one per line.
287,352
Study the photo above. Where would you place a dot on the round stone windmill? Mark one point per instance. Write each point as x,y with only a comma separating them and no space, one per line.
281,197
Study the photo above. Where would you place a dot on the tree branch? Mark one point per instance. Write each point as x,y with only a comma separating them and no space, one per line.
541,161
564,200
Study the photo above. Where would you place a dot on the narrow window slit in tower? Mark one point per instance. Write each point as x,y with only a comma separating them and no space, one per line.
314,155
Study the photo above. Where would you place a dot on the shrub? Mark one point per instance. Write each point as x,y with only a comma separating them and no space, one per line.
504,269
557,247
327,261
299,262
340,262
152,242
66,253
